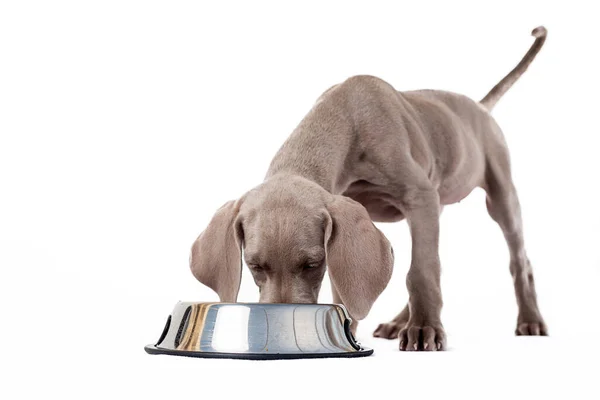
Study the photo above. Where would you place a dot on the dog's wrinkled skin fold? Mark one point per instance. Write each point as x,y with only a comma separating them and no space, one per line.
366,152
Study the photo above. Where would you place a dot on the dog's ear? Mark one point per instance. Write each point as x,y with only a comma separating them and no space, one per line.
359,256
216,257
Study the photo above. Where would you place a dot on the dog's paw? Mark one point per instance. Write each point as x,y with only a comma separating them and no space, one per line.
389,330
425,337
537,328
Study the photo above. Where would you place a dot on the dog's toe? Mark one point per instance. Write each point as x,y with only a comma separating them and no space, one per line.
388,330
422,338
531,329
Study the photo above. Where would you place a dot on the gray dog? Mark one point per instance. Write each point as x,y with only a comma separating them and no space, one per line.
366,152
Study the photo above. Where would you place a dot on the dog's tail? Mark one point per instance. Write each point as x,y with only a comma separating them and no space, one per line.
490,100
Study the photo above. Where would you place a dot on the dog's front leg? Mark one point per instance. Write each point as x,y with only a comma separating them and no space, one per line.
424,330
338,300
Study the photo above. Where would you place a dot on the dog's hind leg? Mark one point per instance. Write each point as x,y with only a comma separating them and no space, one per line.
503,206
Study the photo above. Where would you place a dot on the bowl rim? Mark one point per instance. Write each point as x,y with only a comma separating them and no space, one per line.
152,349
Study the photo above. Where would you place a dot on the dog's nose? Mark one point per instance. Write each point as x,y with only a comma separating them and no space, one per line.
285,298
271,296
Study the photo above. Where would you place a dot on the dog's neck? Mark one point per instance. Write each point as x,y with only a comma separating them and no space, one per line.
317,150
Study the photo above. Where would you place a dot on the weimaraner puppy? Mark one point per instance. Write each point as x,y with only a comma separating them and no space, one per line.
366,152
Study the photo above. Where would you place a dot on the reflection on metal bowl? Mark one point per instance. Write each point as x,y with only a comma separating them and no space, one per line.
258,331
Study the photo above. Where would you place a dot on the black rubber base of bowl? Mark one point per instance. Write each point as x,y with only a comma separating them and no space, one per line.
152,349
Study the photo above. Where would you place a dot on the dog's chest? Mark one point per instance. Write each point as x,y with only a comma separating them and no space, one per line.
376,200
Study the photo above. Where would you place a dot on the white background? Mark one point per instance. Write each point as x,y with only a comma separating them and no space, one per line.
125,124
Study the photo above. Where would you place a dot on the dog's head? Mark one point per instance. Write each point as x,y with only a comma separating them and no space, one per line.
291,231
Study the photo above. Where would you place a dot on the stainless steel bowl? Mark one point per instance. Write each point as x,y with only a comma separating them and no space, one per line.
258,331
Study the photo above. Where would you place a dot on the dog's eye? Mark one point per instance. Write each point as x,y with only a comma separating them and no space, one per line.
256,268
309,266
